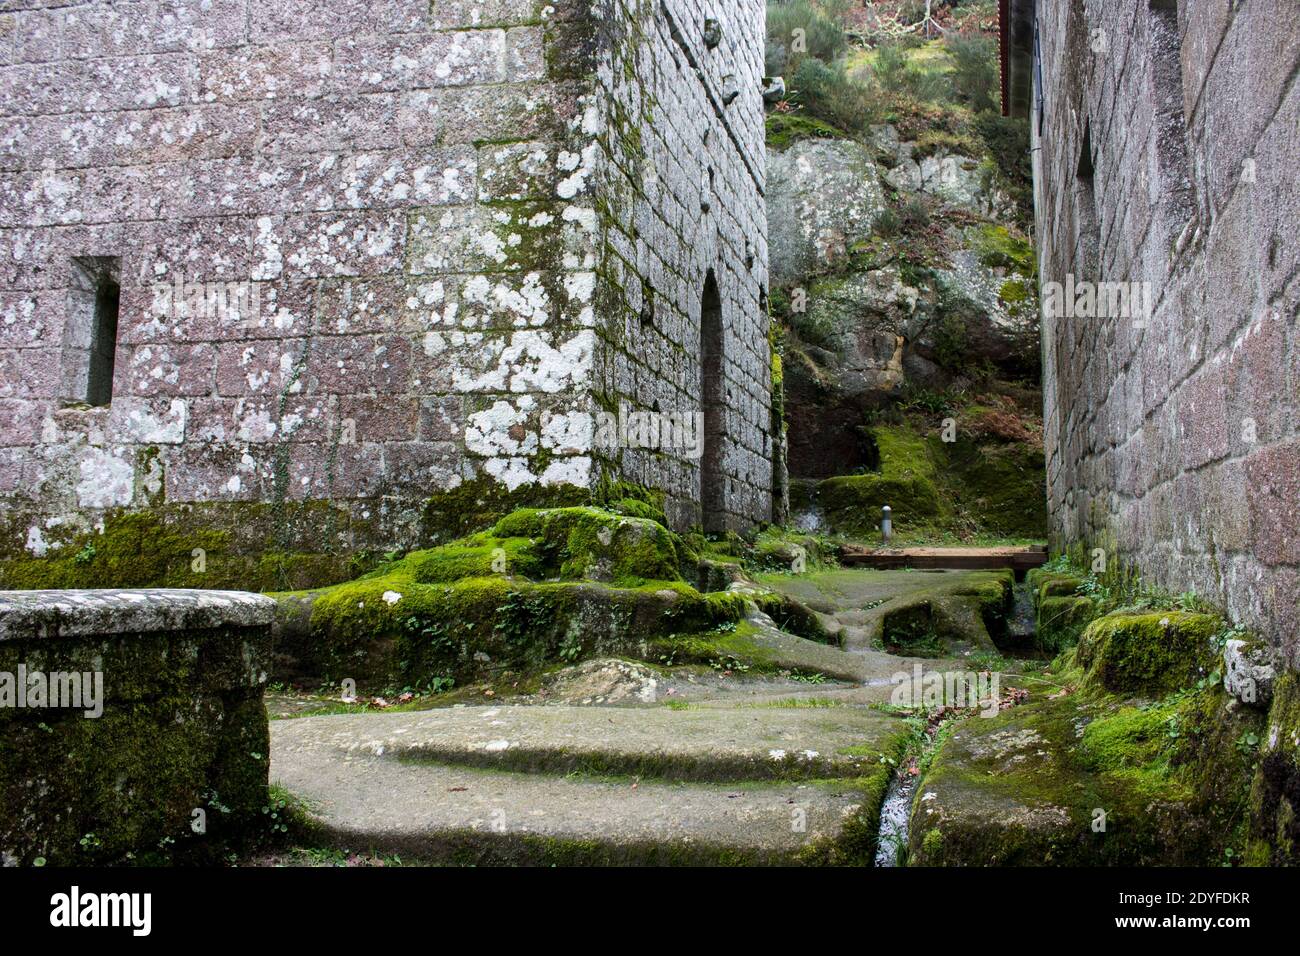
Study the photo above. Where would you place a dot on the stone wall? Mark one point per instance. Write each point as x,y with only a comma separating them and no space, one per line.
360,251
1170,140
683,167
149,709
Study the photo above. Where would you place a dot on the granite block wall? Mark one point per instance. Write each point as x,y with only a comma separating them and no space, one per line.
1167,140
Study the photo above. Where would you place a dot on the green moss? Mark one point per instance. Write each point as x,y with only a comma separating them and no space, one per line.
1015,292
1274,826
911,629
999,247
477,505
1061,621
998,488
594,544
994,598
793,616
132,550
1046,583
234,545
635,508
1148,652
784,129
181,729
541,586
570,45
853,503
1032,785
478,556
935,487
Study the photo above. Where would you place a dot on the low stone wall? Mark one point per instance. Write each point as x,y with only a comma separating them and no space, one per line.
131,722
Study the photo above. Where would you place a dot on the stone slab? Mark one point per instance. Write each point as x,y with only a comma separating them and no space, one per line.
78,613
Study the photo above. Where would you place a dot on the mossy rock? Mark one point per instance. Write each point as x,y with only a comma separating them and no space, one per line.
784,129
541,586
994,597
793,616
941,486
1088,781
636,508
1045,583
411,634
1002,488
1274,835
853,503
1000,248
476,505
183,727
934,624
1149,652
1061,620
592,544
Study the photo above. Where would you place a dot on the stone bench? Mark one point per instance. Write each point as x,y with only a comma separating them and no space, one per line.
131,722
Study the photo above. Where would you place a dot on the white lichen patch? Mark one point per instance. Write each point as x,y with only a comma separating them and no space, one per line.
106,479
503,429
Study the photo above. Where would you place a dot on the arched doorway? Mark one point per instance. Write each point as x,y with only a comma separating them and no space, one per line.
713,492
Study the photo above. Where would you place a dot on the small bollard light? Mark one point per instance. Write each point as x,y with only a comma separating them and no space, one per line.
886,525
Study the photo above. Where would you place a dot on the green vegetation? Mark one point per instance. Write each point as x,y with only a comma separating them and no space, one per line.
541,586
935,487
941,93
1150,652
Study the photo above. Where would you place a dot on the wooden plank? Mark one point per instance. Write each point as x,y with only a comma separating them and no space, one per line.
950,559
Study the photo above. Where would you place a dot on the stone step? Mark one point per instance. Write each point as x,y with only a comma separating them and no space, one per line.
578,784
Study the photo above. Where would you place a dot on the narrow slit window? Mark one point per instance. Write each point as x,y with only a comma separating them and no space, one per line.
1087,221
1166,89
90,330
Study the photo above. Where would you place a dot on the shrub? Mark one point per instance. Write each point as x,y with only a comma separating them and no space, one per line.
823,36
896,73
828,94
914,215
975,75
1007,139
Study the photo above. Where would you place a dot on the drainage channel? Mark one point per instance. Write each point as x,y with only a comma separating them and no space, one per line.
893,819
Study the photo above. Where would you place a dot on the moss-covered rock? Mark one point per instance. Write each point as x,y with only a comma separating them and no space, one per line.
1048,582
541,586
1274,836
1148,652
938,622
935,486
593,544
1061,620
784,129
1001,487
1085,780
853,503
994,594
792,616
